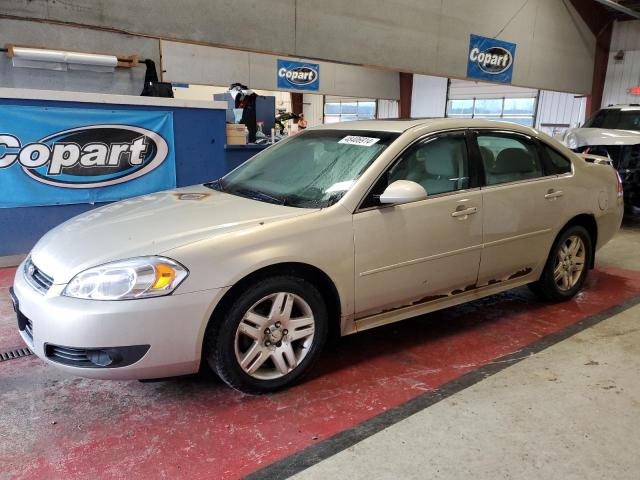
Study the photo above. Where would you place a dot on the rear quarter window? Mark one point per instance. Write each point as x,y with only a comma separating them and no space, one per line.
560,163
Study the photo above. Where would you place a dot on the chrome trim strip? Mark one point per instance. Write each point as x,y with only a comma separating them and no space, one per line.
429,197
516,237
420,260
454,252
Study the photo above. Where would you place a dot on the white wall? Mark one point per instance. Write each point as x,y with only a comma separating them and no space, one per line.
558,111
187,63
469,89
621,75
313,109
555,48
206,93
387,109
429,96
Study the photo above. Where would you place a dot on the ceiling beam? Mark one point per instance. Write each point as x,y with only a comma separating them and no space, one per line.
619,8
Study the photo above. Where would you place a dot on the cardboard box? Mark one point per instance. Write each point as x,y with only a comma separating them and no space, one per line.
236,134
235,129
236,140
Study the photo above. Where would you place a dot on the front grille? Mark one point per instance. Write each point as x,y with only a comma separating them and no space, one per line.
626,159
36,277
28,328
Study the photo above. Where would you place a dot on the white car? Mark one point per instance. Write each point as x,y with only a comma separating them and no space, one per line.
339,229
613,132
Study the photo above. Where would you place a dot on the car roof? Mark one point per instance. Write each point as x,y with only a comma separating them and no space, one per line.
429,124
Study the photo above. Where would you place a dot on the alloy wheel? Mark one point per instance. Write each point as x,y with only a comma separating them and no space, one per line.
274,336
569,263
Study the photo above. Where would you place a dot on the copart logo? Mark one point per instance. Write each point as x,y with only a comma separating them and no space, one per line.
87,157
493,60
298,75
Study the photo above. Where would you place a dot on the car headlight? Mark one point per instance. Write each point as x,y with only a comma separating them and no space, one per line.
128,279
571,141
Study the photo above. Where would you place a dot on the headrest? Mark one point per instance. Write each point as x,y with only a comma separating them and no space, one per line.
441,159
487,155
513,160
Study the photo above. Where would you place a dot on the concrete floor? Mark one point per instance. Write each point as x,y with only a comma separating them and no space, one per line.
472,391
569,412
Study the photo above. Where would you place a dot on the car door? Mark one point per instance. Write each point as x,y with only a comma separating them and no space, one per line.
425,250
522,202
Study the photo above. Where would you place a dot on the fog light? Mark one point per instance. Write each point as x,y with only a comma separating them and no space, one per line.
103,358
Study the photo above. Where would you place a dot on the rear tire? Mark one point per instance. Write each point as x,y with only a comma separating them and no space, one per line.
269,337
566,269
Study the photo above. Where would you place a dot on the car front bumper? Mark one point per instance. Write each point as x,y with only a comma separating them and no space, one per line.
149,338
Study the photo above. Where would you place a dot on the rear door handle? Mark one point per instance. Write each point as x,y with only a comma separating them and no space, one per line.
464,211
551,194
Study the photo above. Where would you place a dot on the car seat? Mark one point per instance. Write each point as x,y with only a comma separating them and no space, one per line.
488,158
511,164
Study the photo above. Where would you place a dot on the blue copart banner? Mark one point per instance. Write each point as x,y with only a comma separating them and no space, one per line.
490,59
58,156
298,75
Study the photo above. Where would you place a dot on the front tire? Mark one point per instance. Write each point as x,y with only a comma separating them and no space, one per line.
566,269
270,335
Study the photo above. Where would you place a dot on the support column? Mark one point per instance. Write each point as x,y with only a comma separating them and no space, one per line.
600,22
601,60
406,90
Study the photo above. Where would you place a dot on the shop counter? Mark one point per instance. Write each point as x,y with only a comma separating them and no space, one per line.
238,154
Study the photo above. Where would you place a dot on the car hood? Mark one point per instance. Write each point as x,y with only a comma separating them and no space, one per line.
149,225
583,137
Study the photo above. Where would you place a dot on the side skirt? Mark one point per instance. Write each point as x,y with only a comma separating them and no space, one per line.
403,313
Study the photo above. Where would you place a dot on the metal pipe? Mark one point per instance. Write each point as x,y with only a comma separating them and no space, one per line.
619,8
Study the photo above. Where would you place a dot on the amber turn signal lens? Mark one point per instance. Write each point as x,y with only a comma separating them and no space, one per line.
164,276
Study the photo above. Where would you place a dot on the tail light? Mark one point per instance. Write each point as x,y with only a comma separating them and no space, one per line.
618,184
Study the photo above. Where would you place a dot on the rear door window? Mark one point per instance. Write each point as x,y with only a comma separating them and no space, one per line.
508,158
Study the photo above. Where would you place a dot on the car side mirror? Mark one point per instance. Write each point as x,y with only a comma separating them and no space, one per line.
403,191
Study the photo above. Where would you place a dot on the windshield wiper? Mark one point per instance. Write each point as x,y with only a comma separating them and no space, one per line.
257,195
215,185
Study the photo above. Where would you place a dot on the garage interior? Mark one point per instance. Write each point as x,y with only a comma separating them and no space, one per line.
502,387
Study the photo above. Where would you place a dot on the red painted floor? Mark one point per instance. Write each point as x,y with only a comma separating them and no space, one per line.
54,426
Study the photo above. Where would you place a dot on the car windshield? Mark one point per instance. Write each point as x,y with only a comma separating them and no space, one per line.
616,118
312,169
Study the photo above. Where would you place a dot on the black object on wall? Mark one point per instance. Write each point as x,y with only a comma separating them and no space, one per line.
153,87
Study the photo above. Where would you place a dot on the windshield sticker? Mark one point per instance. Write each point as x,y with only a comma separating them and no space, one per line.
361,141
340,186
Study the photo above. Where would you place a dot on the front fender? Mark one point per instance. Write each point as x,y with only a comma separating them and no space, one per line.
323,240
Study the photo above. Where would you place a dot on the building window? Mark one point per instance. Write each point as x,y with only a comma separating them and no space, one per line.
517,110
348,110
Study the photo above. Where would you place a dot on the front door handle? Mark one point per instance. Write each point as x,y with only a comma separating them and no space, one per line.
551,194
463,212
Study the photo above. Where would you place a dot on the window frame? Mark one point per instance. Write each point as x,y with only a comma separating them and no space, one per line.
548,169
475,171
494,116
351,116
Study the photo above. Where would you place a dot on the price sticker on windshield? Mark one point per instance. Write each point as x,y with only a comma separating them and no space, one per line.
361,141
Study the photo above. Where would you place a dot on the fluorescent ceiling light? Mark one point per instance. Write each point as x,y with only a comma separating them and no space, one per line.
62,60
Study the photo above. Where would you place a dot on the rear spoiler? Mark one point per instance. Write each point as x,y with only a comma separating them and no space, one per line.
600,160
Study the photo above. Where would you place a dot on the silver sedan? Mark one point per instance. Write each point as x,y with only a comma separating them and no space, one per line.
339,229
